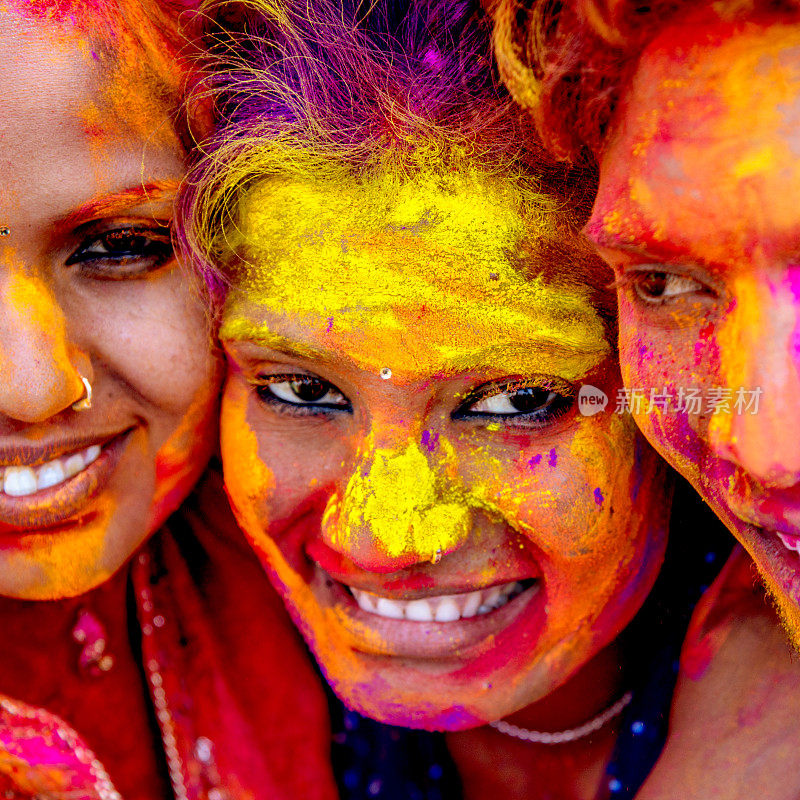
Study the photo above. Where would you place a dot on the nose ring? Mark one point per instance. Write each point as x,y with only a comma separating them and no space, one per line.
85,403
437,556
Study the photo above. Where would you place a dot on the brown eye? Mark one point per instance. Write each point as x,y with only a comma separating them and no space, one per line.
301,391
517,404
121,253
310,391
658,286
531,399
652,284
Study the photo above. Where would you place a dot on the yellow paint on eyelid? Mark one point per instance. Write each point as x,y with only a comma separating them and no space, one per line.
421,276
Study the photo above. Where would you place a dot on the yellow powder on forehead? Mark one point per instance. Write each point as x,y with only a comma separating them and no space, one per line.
382,261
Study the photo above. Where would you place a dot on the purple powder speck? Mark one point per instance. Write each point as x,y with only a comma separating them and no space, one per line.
598,496
537,459
552,458
428,441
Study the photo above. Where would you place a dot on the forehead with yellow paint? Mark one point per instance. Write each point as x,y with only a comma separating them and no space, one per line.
435,273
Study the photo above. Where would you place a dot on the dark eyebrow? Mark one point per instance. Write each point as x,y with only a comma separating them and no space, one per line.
109,204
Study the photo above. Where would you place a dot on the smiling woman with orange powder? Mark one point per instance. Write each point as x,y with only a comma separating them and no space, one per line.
137,652
409,315
689,110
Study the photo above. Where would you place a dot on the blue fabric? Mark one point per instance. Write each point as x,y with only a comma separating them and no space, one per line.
390,763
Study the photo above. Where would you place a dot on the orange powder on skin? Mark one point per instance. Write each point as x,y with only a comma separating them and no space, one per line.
390,306
51,558
249,477
326,279
175,470
740,163
37,318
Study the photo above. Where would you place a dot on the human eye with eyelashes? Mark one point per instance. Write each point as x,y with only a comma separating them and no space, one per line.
122,250
654,286
531,402
300,394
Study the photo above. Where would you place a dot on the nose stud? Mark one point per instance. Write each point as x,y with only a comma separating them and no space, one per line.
386,373
437,556
85,403
5,230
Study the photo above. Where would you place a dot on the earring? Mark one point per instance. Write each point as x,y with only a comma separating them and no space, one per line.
85,402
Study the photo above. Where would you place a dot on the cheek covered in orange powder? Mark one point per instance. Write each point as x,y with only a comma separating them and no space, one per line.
694,182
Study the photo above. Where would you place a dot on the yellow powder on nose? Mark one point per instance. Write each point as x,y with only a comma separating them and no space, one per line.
36,310
399,500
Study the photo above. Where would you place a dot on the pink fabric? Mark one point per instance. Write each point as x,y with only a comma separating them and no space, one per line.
41,756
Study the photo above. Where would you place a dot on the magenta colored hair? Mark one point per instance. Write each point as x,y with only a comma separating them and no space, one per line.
307,89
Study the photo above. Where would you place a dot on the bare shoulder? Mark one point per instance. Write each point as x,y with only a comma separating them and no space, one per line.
735,719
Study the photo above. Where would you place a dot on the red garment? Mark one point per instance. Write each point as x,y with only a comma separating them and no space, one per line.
240,708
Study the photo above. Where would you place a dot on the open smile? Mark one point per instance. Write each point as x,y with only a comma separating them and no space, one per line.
445,627
46,488
445,607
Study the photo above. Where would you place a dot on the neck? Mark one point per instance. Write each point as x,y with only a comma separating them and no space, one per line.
40,631
491,763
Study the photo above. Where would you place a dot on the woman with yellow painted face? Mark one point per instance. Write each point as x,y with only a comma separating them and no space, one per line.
128,663
420,429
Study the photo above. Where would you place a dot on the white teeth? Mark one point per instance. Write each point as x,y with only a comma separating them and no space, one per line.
365,600
447,611
443,608
21,481
419,611
91,454
790,542
51,474
471,605
73,465
389,608
492,595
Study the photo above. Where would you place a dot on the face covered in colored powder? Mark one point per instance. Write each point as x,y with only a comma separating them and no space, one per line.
696,214
402,445
89,288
